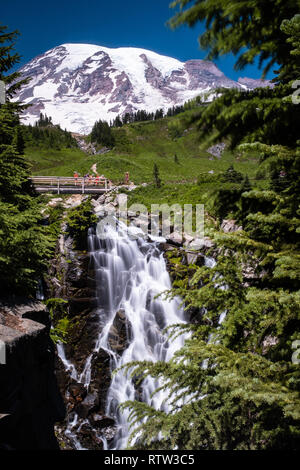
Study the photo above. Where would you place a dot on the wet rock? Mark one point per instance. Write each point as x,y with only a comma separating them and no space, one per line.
79,304
88,405
166,246
120,333
63,379
109,433
102,421
158,311
77,390
77,273
88,438
100,377
83,333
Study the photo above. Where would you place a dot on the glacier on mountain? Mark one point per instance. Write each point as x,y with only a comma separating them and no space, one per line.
77,84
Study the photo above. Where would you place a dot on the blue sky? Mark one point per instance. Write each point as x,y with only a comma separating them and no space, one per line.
110,23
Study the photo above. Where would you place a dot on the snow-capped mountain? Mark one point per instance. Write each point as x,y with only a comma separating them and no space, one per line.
77,84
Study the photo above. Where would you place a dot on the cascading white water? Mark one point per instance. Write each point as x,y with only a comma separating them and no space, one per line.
130,274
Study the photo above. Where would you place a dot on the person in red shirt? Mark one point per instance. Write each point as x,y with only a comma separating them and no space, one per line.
75,177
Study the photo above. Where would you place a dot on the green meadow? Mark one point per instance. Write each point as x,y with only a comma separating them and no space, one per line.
138,146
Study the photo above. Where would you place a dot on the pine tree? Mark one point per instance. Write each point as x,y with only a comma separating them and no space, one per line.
247,394
102,134
18,141
232,176
25,246
246,185
251,28
236,367
291,70
262,115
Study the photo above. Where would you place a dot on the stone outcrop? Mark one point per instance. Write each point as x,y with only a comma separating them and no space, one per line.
120,333
217,149
229,225
30,402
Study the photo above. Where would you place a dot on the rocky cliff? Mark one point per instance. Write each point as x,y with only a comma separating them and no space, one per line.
30,402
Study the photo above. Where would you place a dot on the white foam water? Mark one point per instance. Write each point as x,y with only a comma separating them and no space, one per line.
130,273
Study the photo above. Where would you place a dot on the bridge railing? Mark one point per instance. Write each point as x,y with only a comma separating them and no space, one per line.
60,183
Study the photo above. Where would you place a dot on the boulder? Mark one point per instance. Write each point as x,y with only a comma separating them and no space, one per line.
74,201
88,405
201,243
30,402
229,225
217,149
268,342
166,246
102,421
187,238
175,238
120,333
109,208
77,391
55,201
88,438
192,258
101,199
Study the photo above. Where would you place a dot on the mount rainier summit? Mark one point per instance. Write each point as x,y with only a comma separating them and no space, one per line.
77,84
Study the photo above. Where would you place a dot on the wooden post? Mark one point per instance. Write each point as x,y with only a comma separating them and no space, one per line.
105,184
58,188
83,185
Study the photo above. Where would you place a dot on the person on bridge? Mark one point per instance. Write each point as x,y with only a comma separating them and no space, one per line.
76,177
127,177
102,180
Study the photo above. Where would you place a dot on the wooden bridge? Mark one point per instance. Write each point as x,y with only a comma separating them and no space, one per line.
70,185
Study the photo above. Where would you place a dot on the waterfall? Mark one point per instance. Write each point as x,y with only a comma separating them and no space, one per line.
130,273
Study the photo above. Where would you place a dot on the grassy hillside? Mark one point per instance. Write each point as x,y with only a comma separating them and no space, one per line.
49,162
138,147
